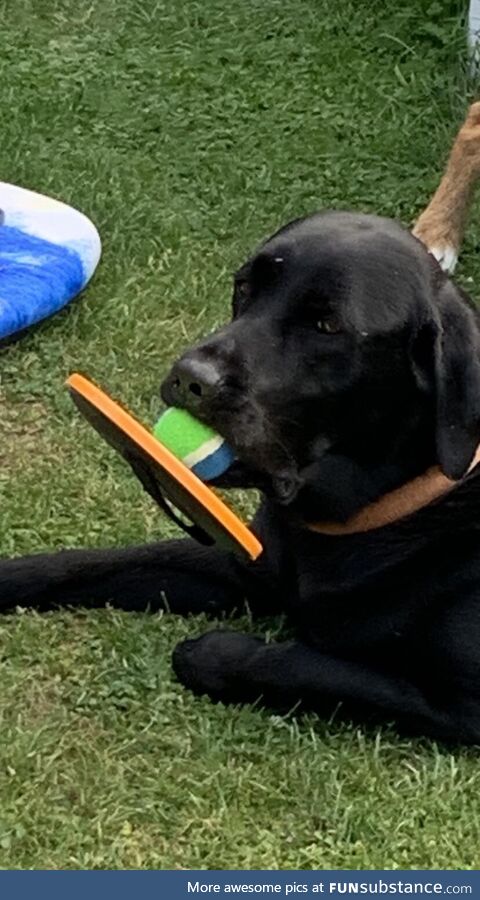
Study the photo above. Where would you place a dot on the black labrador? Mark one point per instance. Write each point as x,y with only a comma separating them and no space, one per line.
350,368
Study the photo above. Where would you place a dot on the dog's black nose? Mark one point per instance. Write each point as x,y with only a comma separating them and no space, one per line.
192,382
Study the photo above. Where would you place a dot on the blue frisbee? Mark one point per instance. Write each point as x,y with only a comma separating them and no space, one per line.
48,253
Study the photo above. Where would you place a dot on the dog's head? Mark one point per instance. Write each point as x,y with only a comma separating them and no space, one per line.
346,343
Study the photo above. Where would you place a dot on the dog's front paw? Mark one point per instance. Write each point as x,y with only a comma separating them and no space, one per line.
213,663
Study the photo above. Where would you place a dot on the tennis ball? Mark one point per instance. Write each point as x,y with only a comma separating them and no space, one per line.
200,449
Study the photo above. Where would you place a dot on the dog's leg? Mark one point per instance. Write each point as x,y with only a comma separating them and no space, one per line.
180,576
231,666
441,225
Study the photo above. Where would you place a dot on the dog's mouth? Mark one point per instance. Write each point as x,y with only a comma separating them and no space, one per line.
262,460
283,486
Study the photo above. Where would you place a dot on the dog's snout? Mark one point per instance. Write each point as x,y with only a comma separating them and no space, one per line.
193,381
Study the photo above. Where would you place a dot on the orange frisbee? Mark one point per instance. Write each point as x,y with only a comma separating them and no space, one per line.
164,476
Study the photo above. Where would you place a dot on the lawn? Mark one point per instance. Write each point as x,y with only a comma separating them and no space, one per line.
188,131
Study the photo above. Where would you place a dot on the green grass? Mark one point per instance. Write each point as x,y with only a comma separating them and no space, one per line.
188,131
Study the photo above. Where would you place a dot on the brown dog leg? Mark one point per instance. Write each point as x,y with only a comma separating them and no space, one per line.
441,225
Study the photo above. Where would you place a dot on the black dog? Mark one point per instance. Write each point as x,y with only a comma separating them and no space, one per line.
350,367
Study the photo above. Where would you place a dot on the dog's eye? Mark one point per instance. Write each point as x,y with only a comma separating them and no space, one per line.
243,290
328,326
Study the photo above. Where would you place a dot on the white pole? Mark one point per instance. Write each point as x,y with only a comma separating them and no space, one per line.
474,29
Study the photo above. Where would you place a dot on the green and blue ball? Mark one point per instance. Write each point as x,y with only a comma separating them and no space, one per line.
202,450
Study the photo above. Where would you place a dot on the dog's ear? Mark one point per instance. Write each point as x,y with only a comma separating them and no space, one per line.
457,381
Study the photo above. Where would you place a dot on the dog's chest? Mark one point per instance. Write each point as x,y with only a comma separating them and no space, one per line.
359,597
